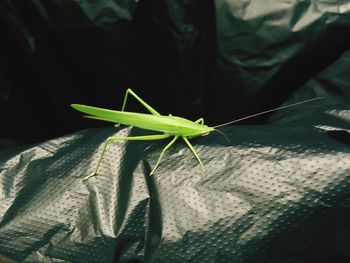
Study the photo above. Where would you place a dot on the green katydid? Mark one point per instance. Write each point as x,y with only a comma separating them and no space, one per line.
169,125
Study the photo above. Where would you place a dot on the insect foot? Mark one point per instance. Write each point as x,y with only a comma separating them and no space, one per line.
89,176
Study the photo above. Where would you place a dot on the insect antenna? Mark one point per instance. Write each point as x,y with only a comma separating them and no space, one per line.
267,111
224,135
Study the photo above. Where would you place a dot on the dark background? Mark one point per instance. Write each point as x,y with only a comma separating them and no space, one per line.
188,58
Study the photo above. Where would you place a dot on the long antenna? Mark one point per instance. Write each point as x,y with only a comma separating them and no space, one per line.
224,135
267,111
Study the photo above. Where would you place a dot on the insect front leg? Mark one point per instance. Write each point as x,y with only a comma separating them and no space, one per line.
193,151
199,121
135,138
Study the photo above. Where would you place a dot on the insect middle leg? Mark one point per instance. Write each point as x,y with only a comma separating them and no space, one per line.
162,153
135,138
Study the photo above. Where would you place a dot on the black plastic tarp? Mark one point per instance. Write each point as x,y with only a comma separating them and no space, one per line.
277,192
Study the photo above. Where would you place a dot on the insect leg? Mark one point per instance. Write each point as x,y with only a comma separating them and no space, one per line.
200,121
135,138
193,151
147,106
162,153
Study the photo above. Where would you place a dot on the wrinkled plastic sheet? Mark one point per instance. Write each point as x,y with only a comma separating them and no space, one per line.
257,201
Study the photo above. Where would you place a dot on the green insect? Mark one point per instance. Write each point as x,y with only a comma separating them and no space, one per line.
169,125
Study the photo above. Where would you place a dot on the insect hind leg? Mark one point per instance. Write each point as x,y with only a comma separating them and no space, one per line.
134,138
146,105
162,153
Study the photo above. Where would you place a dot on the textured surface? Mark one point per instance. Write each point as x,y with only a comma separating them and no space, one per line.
261,193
